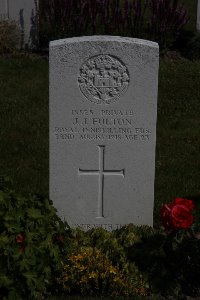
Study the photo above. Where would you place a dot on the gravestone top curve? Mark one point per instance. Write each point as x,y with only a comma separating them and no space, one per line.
103,38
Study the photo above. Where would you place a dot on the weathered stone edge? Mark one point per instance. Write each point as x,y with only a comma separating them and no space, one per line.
103,38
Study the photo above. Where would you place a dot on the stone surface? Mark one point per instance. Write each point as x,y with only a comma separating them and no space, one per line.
24,13
103,106
198,15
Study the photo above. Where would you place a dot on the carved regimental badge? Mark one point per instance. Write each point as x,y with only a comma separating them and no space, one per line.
103,79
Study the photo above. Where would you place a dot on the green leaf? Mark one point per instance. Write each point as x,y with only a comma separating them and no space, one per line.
4,240
5,281
13,295
54,252
31,277
24,264
2,196
34,213
47,271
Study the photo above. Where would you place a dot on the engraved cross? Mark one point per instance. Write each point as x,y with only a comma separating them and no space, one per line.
101,173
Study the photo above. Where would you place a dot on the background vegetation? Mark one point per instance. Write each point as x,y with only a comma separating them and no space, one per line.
155,20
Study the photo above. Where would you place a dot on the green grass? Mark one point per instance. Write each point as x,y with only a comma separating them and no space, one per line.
178,139
24,128
24,123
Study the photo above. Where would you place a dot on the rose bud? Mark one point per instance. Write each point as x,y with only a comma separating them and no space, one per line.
20,238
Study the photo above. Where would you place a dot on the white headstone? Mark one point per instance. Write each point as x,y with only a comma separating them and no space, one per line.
24,13
103,106
198,15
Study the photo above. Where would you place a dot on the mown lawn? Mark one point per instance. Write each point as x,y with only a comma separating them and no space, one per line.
24,123
178,139
24,127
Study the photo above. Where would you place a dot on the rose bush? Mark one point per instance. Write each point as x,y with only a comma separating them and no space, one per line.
178,214
33,244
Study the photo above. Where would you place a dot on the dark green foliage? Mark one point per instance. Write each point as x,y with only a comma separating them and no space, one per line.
157,20
32,243
165,20
170,263
184,263
155,297
151,257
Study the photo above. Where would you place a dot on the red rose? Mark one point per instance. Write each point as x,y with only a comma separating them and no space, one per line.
20,238
177,215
